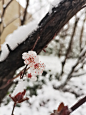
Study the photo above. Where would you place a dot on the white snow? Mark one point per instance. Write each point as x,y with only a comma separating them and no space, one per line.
19,87
0,20
4,5
17,37
48,98
22,2
52,98
37,8
54,3
51,62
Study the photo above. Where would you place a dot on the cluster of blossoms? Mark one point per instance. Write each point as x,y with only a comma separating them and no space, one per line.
36,68
32,60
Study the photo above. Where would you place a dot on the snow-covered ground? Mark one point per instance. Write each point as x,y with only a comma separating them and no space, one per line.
52,98
48,98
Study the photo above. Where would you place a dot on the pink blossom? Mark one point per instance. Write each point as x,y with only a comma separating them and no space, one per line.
30,58
25,55
32,77
29,75
38,68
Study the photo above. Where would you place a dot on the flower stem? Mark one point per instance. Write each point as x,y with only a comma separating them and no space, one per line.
35,43
11,80
13,108
21,77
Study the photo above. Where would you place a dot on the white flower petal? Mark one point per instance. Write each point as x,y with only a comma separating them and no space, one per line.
32,70
37,59
26,62
32,53
25,55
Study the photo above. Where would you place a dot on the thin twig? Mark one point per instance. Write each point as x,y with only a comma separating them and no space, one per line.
13,108
35,43
81,34
25,12
83,63
72,70
4,8
78,74
70,44
21,77
11,80
2,16
64,110
8,3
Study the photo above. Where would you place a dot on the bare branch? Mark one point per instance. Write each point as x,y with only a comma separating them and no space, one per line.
50,25
83,62
64,110
78,74
70,44
4,8
25,12
72,70
81,34
78,104
8,3
2,16
13,108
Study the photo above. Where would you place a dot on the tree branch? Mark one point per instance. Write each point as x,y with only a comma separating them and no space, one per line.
50,25
72,70
25,12
78,104
70,44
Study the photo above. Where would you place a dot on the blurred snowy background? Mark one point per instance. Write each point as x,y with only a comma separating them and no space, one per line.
45,94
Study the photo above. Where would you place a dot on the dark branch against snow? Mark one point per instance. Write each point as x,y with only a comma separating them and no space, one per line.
51,24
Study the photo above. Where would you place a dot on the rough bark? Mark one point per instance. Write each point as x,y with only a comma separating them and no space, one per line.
50,25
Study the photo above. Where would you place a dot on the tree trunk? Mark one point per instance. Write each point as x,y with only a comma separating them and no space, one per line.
50,25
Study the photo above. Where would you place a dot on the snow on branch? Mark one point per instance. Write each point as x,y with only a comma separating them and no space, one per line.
16,38
48,28
19,35
54,4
